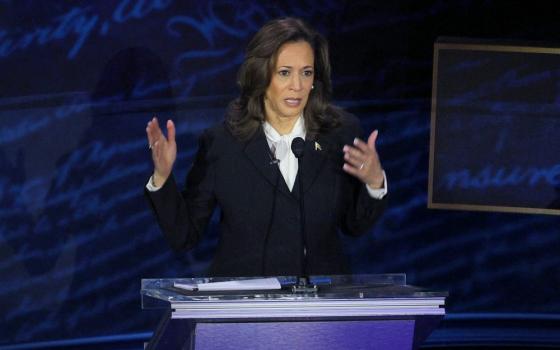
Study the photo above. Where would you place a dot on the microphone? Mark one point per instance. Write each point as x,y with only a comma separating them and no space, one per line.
298,146
302,284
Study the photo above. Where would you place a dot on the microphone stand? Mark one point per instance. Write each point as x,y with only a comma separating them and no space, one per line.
303,285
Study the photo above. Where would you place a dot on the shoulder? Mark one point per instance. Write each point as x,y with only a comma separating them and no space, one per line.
217,141
348,125
215,133
347,120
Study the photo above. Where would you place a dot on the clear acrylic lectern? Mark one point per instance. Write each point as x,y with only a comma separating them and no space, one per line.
345,312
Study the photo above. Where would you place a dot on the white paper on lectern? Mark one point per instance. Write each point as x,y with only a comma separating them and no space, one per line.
251,284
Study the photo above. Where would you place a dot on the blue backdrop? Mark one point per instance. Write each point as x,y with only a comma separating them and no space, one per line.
81,79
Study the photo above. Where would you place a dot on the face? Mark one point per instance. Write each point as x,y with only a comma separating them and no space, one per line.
291,82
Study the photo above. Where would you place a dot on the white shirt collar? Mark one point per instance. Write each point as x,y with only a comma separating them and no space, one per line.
280,147
273,136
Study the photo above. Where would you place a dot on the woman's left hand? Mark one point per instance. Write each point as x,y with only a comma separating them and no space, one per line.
362,161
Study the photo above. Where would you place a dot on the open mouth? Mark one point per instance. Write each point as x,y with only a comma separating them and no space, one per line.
293,102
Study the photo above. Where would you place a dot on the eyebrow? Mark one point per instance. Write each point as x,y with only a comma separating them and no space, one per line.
293,67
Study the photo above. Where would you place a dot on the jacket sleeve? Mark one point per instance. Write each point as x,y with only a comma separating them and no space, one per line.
183,216
362,210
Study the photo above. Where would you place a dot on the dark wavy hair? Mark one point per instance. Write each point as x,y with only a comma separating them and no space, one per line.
246,113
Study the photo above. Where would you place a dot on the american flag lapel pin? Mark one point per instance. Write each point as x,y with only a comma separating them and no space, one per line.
318,146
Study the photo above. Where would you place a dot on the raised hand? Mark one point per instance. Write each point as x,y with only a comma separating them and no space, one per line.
362,161
164,150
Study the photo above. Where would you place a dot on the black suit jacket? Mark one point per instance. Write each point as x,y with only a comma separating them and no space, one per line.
260,224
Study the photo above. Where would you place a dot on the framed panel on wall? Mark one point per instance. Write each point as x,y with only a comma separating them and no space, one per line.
495,127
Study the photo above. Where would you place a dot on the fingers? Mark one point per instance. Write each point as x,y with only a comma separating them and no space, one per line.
163,149
358,154
361,145
354,156
362,161
153,131
149,133
351,170
170,131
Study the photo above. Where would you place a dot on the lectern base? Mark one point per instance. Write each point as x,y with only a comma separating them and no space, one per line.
393,334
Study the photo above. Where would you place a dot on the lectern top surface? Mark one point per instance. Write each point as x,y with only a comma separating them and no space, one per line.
161,293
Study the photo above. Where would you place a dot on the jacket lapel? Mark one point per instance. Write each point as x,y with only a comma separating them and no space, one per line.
313,161
258,152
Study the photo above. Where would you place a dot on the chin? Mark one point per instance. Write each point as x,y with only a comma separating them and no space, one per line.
293,113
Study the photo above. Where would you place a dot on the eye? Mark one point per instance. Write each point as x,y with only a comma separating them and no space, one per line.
284,73
308,73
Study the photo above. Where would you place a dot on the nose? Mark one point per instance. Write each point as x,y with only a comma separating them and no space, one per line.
296,84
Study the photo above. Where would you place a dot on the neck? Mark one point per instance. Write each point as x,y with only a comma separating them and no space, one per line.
282,125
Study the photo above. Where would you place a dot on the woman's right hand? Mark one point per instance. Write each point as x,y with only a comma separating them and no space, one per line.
164,150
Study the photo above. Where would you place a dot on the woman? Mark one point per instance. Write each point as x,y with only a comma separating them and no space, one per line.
246,168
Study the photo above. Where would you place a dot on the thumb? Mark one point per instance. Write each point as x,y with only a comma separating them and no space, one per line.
170,131
372,138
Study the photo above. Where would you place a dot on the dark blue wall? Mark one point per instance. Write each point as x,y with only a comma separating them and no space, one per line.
79,81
